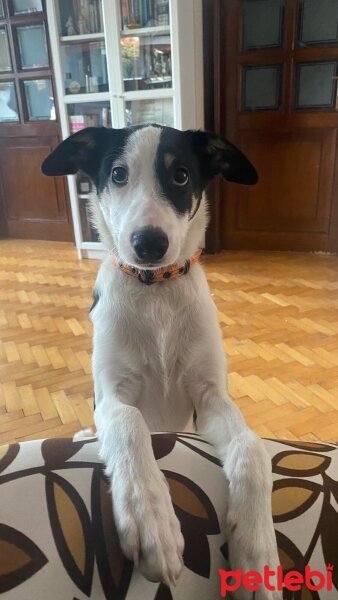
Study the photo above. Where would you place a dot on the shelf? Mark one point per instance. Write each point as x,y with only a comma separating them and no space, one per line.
89,97
152,94
140,31
87,37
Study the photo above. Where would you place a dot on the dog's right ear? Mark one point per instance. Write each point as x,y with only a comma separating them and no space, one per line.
83,150
217,156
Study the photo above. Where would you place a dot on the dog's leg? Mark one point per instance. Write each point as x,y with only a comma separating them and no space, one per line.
148,529
247,467
251,536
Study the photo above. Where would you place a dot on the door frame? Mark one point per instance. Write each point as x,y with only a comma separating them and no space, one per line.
212,112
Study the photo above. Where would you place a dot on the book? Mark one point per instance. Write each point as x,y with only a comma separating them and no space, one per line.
151,11
76,123
104,117
100,18
124,14
145,16
137,7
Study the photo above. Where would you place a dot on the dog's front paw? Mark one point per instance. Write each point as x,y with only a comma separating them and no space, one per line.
148,528
254,550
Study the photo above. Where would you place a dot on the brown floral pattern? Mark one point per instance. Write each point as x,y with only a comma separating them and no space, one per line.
307,481
57,532
20,558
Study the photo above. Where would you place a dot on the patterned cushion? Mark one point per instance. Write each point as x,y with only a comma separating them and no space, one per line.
57,536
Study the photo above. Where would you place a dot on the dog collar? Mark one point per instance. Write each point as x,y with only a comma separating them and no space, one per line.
163,274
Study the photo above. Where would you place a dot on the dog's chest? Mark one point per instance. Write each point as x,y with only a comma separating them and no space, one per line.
162,341
147,331
161,330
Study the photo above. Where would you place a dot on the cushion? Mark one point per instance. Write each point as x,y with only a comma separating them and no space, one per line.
58,540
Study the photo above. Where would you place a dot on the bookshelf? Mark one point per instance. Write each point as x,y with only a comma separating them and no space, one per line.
119,63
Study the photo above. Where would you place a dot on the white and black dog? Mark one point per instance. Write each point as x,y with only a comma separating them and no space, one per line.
158,355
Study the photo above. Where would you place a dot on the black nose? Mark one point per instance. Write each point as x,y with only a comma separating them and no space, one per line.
149,243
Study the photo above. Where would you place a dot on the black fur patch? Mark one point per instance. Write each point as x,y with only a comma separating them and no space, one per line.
96,298
112,152
178,144
204,155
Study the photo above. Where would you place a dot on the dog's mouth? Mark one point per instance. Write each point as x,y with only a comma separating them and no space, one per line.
149,266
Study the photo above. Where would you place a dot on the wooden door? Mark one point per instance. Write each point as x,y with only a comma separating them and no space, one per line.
31,205
278,67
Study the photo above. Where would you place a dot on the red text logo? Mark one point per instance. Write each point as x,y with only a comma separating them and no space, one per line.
230,581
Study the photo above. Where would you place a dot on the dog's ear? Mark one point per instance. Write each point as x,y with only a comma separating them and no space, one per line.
217,156
83,150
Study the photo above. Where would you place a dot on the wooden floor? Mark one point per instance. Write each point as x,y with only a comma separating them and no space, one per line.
278,313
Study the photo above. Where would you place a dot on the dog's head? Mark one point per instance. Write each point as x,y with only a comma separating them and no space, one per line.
149,205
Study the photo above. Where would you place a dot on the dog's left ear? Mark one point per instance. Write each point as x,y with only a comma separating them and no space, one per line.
217,156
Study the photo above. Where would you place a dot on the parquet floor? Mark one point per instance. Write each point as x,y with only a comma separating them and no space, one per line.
278,313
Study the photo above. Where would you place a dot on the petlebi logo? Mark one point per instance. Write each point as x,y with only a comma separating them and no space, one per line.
230,581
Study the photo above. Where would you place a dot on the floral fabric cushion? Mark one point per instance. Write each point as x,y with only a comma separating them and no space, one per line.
57,535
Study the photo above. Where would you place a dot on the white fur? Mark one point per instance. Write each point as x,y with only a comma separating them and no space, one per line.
157,357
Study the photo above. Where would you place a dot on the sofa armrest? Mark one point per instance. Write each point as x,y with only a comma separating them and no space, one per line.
57,535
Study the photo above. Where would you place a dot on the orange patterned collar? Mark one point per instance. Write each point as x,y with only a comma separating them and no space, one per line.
163,274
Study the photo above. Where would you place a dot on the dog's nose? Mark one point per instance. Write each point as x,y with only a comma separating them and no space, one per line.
149,243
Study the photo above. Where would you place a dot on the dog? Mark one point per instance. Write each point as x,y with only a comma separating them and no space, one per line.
157,351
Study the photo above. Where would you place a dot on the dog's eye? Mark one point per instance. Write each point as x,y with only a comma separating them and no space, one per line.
120,175
181,176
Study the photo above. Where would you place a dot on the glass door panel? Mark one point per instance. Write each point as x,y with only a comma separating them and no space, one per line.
2,12
84,67
5,57
39,100
159,111
88,114
317,22
8,103
32,46
262,24
316,86
26,6
261,87
80,18
146,61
